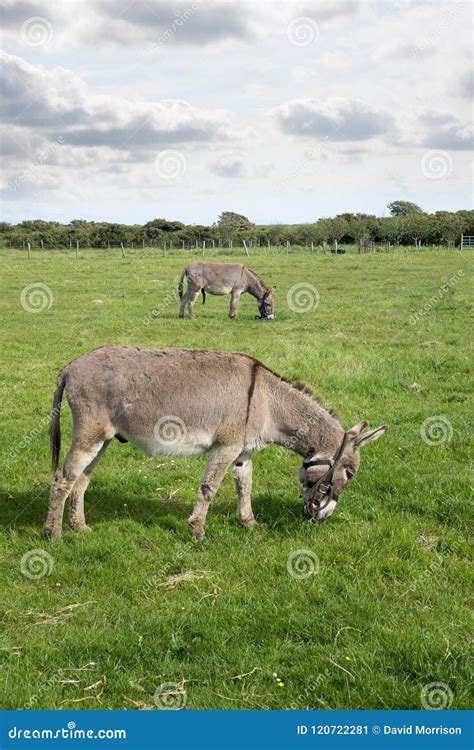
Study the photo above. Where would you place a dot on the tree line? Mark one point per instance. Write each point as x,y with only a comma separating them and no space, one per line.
407,225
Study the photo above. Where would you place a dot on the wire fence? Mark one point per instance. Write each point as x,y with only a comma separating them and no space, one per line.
208,251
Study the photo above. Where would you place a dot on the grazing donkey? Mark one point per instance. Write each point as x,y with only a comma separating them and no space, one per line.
180,402
224,278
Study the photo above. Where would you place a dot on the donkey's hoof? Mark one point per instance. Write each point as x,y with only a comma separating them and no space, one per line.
250,523
197,529
82,529
54,535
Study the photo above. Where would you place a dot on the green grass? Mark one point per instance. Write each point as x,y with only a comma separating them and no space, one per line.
386,614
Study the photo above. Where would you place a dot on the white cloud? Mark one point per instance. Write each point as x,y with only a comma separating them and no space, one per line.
57,102
228,165
467,85
336,119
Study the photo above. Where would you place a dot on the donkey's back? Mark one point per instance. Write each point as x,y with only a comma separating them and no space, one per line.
175,401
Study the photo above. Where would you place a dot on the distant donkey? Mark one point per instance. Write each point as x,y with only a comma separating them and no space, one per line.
224,278
180,402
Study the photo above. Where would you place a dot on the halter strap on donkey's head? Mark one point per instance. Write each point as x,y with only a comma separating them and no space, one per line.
323,489
265,308
321,493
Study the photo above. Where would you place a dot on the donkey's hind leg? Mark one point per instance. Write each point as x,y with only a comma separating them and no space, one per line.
76,517
191,299
77,460
182,302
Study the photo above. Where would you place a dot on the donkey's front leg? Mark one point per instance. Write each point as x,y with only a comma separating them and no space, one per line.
219,461
242,475
234,302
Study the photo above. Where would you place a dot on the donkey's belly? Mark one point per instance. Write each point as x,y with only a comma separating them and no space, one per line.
218,290
172,443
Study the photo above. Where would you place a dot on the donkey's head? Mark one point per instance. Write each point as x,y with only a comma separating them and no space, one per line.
265,305
324,478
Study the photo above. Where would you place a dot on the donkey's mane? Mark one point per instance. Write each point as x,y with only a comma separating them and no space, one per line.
258,278
301,388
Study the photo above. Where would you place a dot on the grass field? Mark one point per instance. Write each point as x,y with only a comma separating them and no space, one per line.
136,604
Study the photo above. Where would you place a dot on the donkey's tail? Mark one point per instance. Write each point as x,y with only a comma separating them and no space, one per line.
203,296
54,425
180,283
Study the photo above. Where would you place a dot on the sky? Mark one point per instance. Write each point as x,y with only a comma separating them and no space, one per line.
129,110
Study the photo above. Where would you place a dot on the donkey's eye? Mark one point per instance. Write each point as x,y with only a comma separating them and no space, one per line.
349,474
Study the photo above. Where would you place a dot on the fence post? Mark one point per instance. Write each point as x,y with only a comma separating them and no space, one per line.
246,248
123,250
203,246
287,246
42,247
29,250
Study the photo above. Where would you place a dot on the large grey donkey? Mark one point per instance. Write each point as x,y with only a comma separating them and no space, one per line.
181,402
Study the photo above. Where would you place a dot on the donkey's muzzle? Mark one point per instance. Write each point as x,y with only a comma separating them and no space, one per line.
317,509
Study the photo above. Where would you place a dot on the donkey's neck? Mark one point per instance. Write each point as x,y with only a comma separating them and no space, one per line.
254,285
300,423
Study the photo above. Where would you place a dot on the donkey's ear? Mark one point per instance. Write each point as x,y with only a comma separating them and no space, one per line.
357,429
369,437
